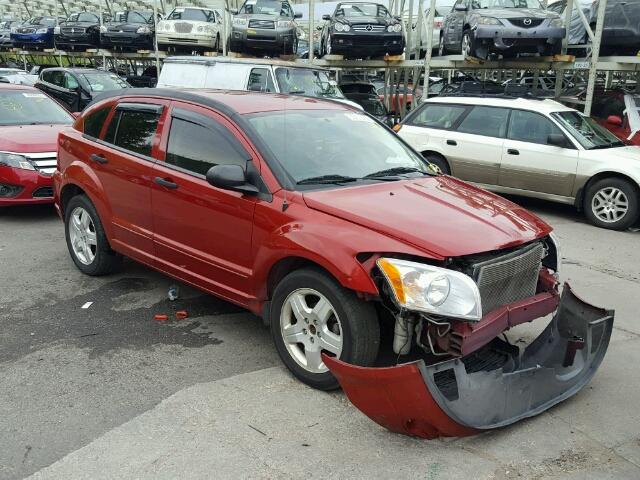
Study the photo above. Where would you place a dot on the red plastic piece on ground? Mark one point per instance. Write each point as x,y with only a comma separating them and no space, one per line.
181,314
160,318
396,398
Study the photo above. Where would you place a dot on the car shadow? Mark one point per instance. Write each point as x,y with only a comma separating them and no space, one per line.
28,212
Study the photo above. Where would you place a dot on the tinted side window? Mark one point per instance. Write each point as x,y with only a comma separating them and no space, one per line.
93,122
488,121
438,116
260,81
198,148
110,134
70,81
136,130
531,127
56,78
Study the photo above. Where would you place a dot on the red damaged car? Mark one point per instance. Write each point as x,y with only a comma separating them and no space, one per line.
323,222
29,125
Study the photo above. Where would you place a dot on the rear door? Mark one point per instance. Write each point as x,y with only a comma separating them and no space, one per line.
475,144
530,163
201,233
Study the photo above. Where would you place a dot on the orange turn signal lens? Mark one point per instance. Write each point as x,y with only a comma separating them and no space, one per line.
393,276
397,127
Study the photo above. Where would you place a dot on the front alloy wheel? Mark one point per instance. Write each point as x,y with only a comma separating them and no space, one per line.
612,203
467,47
82,234
441,49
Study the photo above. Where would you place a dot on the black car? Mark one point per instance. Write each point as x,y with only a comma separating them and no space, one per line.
365,95
361,30
479,28
79,31
76,87
129,30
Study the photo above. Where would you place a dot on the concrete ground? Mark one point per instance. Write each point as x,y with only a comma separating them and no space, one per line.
107,392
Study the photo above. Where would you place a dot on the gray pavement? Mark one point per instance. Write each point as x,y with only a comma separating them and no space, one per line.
107,392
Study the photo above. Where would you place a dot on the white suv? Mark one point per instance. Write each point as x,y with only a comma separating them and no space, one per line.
537,148
191,27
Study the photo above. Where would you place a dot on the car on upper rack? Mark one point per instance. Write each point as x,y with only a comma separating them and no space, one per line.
331,238
266,26
80,30
75,88
362,30
37,33
365,95
443,7
618,111
129,30
531,147
194,28
479,28
29,125
5,33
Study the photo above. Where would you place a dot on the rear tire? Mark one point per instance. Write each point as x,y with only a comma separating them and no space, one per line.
311,314
612,203
86,239
438,161
467,45
442,49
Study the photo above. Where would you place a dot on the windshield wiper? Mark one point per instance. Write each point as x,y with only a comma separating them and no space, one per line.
327,179
619,143
297,92
390,172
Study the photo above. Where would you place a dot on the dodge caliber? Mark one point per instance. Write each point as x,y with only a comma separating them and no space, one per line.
347,243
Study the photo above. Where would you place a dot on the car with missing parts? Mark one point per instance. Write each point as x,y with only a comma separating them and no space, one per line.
333,239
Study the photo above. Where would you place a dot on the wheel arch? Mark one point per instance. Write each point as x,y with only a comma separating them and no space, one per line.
424,153
580,195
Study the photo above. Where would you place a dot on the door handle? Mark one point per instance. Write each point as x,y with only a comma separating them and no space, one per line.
98,158
452,142
166,183
513,151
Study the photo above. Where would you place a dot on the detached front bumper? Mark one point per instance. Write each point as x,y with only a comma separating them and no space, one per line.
504,38
268,39
367,44
490,388
196,40
127,40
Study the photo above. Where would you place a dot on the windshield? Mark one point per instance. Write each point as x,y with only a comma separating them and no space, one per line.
505,4
104,82
83,17
193,14
47,21
264,7
302,81
587,131
373,107
369,148
351,10
31,108
132,17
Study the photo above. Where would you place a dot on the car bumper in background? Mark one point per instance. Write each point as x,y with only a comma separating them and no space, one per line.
261,39
27,186
187,40
79,40
32,39
505,38
367,44
127,40
490,388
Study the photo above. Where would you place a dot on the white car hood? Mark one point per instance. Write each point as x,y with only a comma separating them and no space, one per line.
627,156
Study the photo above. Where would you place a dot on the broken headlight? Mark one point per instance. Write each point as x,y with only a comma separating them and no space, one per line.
435,290
15,161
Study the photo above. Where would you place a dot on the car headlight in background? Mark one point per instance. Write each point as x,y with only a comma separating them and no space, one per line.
42,30
489,21
341,27
395,28
425,288
556,23
15,161
143,30
56,30
239,22
103,29
285,24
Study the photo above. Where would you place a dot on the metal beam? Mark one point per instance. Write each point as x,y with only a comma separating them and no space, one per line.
595,56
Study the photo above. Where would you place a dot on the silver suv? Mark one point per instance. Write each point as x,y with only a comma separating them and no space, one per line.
265,25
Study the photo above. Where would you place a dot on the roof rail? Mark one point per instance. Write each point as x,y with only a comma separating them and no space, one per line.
495,90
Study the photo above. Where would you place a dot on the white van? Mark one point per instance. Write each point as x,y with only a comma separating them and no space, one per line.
258,75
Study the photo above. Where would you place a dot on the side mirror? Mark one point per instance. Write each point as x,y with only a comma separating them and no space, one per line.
297,15
326,17
614,120
557,140
460,8
230,177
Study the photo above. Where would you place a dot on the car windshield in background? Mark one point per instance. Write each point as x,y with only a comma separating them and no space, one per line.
31,108
587,131
374,107
47,21
131,17
83,17
104,82
192,14
505,4
354,10
330,156
263,7
311,83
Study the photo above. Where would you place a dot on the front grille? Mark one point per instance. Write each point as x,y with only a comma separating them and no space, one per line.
183,27
508,278
43,192
45,163
526,22
72,30
368,28
183,40
270,24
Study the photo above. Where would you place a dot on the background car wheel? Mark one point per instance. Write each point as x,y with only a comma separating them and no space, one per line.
327,48
467,45
442,51
312,314
86,240
438,161
216,47
612,203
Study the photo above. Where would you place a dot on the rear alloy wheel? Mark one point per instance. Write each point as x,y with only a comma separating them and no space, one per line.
612,203
467,47
439,162
328,47
310,315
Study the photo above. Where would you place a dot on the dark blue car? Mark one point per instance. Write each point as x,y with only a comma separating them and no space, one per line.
37,32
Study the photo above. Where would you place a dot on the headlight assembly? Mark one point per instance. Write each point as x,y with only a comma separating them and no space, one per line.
556,23
15,161
341,27
285,24
42,30
56,30
240,22
103,29
394,28
489,21
425,288
143,30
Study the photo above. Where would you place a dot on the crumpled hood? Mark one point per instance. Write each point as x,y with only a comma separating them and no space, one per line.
30,138
441,215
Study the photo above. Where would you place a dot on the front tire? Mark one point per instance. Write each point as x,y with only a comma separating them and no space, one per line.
439,162
86,239
612,203
467,46
442,50
312,314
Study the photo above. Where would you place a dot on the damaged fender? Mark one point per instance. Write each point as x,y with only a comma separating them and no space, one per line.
445,399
